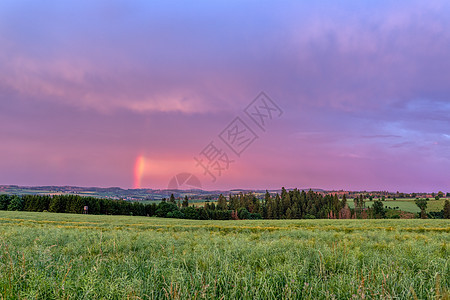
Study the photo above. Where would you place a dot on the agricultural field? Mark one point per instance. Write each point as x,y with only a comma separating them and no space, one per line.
407,205
404,204
56,256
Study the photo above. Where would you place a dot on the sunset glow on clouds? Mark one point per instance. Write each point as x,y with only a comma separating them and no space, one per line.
118,93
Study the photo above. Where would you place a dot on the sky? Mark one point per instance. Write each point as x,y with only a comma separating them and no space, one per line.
134,93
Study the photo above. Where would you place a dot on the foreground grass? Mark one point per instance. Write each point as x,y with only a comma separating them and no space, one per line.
55,256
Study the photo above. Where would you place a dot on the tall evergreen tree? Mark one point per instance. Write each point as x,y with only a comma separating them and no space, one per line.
185,202
267,197
336,204
285,202
4,201
16,203
270,208
222,203
378,210
288,213
447,209
422,204
234,202
344,201
56,204
278,208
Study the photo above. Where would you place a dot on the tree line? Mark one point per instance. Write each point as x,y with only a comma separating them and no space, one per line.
73,204
292,204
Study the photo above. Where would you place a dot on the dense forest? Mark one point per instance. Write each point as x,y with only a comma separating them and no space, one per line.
293,204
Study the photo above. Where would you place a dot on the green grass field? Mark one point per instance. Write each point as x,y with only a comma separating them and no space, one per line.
407,205
62,256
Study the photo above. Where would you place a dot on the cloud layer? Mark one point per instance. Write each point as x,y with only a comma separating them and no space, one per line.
86,88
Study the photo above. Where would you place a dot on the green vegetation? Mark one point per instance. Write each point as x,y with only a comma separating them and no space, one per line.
379,210
407,205
446,214
293,204
59,256
422,204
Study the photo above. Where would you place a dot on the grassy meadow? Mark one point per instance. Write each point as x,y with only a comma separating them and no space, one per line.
65,256
407,204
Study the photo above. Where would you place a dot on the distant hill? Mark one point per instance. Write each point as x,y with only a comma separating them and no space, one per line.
158,194
119,193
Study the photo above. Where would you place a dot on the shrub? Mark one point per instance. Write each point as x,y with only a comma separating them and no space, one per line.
16,203
378,210
175,214
190,213
4,201
446,210
254,216
308,216
164,208
243,213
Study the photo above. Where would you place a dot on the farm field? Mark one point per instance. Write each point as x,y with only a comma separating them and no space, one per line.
55,256
407,204
404,204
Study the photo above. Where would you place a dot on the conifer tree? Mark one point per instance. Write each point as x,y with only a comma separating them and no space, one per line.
16,203
270,208
286,202
267,197
278,213
288,213
422,204
55,204
344,201
185,202
222,202
447,209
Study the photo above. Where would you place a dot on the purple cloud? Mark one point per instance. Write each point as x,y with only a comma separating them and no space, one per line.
85,88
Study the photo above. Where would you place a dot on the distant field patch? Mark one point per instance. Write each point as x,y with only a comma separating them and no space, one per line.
407,204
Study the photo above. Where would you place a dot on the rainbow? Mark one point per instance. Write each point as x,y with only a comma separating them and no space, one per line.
139,168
